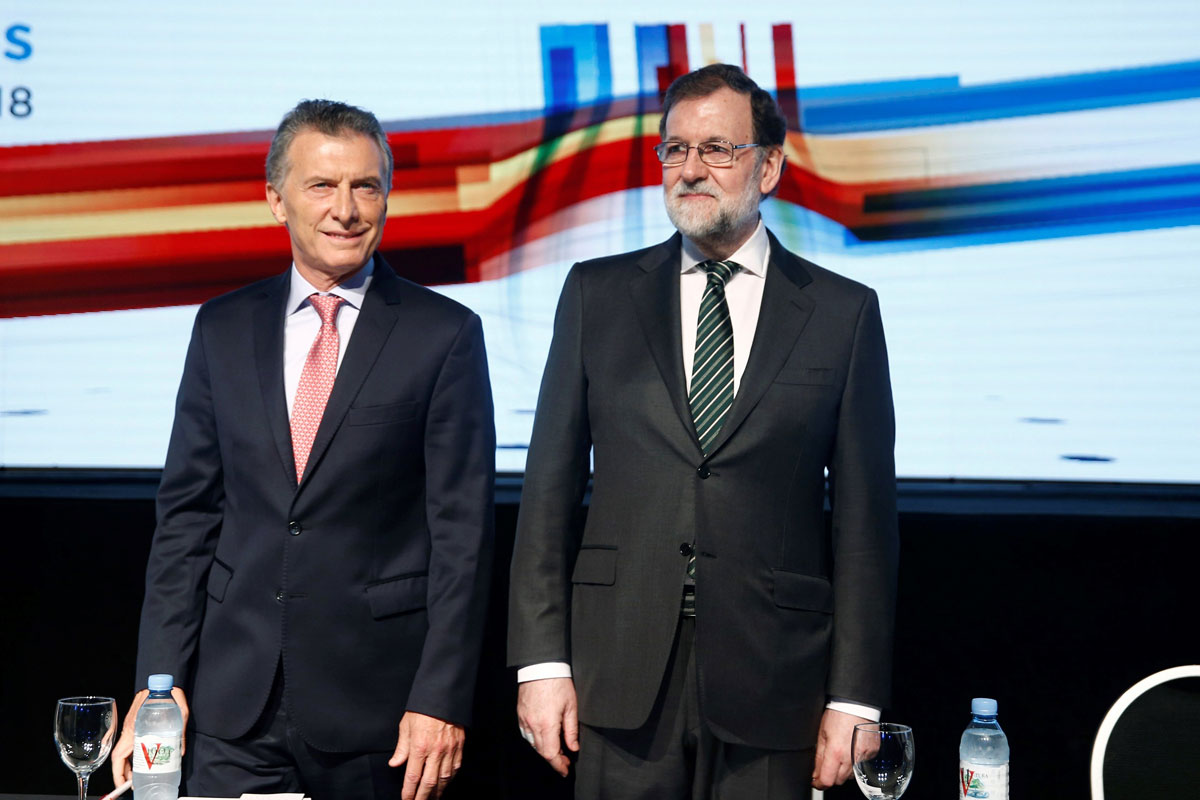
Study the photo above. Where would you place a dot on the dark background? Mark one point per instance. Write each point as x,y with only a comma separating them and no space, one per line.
1052,598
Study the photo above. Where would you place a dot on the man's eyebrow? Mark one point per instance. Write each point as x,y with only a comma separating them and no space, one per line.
317,177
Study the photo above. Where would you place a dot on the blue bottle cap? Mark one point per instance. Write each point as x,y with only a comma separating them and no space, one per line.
161,682
983,707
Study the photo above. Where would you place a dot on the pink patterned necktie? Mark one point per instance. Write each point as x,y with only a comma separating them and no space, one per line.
316,380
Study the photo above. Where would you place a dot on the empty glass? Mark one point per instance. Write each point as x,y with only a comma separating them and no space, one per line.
84,728
883,758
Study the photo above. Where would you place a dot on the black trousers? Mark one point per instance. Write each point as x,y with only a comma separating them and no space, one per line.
273,757
675,756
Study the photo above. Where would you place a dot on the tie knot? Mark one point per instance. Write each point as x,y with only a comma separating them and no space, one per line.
720,270
326,305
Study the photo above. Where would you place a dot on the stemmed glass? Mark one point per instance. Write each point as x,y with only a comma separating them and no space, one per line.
83,730
883,758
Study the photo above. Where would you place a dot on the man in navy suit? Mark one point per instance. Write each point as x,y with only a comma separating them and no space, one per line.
704,634
318,576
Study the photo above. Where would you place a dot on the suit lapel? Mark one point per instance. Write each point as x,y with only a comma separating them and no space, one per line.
376,318
784,313
267,321
655,292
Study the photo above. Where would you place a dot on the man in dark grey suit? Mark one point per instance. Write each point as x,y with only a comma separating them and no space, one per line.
318,578
713,636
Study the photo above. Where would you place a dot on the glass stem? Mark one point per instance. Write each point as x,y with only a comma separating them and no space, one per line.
83,780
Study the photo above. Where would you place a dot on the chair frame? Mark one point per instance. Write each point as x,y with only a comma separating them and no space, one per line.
1118,708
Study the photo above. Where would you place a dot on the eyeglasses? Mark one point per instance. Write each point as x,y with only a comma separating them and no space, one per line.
715,154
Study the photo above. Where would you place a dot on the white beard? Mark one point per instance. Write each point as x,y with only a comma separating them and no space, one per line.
707,226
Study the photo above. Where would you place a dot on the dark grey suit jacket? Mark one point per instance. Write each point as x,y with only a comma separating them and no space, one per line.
368,580
788,610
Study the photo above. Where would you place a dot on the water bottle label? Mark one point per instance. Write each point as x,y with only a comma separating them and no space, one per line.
979,781
155,755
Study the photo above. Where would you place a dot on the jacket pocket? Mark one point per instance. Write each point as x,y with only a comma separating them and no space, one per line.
804,592
596,565
378,415
808,376
398,595
218,580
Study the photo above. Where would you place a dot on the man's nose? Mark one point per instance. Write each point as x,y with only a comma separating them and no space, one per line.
345,210
693,169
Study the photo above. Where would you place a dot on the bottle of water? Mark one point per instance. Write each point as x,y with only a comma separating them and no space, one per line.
158,732
983,755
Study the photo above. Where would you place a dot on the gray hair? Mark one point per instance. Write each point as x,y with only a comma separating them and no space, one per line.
770,126
330,118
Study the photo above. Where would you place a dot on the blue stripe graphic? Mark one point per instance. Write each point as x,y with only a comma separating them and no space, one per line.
999,100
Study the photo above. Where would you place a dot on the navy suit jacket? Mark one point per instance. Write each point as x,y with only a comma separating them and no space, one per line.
368,580
787,610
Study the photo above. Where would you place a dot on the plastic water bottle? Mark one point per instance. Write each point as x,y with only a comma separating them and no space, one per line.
157,732
983,755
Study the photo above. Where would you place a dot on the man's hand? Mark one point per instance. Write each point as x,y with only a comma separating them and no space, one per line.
548,709
833,763
122,769
433,750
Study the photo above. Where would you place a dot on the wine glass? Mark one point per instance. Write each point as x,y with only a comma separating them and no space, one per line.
84,729
883,758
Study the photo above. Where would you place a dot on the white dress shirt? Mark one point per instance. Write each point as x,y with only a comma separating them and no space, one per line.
743,293
302,323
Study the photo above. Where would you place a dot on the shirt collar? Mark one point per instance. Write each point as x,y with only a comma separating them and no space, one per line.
752,256
352,290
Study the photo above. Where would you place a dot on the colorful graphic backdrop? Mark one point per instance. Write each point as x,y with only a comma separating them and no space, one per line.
1020,184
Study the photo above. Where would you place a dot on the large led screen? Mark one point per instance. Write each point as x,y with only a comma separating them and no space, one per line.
1019,180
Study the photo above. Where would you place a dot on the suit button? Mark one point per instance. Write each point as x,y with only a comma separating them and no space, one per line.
279,596
685,549
703,472
294,528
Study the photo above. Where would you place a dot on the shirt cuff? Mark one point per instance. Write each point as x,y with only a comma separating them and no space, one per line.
857,709
549,669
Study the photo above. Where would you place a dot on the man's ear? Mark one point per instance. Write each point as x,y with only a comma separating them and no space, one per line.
275,201
772,170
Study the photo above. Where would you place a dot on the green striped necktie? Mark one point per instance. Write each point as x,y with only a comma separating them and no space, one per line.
711,392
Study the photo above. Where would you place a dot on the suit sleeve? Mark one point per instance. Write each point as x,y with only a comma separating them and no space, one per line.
190,509
862,482
460,476
548,530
